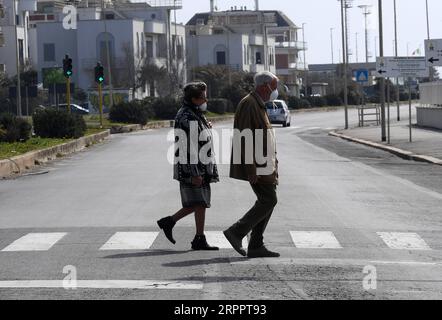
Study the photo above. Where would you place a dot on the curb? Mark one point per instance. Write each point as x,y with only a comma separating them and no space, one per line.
27,161
158,125
404,154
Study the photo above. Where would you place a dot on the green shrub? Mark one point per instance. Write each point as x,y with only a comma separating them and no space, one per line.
166,108
317,101
333,100
297,103
220,106
134,112
234,94
14,129
52,123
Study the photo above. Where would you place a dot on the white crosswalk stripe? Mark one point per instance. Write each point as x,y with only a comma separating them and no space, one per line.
217,239
315,240
35,242
403,241
130,241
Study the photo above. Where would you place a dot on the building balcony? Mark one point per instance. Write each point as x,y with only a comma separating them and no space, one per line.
155,27
92,63
170,4
256,40
298,45
257,68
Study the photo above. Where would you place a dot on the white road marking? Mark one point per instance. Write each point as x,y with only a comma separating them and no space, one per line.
314,128
331,262
315,240
35,242
403,241
217,239
130,241
104,284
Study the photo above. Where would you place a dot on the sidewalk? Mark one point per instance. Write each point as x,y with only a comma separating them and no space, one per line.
426,145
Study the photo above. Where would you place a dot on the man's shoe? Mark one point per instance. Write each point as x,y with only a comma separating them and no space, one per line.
235,241
167,224
200,244
262,252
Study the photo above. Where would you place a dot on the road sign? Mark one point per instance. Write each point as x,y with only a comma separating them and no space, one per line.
401,67
433,52
362,76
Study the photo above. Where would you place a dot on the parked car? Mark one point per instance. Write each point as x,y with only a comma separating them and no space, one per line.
279,113
75,108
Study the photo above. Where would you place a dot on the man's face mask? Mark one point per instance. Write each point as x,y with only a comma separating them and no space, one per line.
274,95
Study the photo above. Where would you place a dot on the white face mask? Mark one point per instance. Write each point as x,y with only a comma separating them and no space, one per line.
203,107
274,95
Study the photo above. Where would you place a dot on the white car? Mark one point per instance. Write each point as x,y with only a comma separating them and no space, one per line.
279,113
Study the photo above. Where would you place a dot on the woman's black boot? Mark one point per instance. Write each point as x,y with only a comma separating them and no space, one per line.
167,224
200,244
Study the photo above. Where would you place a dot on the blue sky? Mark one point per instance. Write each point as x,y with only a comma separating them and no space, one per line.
321,15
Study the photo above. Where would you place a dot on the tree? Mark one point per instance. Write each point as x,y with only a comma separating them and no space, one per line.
151,74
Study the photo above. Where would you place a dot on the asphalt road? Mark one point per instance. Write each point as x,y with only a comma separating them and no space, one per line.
343,209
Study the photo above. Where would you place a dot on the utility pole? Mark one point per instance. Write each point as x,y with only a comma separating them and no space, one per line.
333,60
396,54
17,56
366,12
428,36
109,67
305,63
382,80
345,60
357,56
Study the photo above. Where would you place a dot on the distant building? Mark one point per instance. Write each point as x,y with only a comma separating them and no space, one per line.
133,33
246,40
8,54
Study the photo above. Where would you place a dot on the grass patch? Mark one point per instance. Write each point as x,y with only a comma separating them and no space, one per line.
9,150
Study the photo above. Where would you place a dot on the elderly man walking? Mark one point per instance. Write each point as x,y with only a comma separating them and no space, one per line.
252,116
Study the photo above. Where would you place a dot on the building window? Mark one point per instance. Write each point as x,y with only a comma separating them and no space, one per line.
192,33
180,49
149,47
218,31
200,22
258,58
2,68
138,45
49,52
110,16
105,41
221,57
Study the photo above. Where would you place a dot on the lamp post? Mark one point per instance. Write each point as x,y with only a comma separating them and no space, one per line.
382,80
305,64
345,60
333,60
17,56
396,54
428,35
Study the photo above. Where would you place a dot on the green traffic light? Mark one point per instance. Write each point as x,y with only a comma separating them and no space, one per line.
101,79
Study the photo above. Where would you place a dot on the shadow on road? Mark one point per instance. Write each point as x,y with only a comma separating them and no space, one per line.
201,262
153,253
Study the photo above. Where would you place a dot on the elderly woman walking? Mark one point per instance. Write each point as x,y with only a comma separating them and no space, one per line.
194,177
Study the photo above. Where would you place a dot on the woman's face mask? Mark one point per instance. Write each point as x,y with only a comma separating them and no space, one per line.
203,107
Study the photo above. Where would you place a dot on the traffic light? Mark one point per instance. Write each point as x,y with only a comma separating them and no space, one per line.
99,73
67,67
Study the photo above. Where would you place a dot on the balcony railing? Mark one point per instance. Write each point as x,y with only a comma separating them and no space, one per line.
172,4
299,45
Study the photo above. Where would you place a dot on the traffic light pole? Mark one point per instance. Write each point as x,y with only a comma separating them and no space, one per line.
100,103
68,94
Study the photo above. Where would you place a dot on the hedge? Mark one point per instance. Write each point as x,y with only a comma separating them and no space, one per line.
14,129
52,123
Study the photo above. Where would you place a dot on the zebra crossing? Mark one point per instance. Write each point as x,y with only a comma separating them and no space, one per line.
129,241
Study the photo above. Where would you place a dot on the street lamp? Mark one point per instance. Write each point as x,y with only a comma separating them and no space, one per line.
305,63
382,79
345,58
396,54
333,59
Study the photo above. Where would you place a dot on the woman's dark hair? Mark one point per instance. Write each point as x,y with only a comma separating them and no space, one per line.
194,90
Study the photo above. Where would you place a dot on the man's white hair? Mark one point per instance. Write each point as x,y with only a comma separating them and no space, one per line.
264,77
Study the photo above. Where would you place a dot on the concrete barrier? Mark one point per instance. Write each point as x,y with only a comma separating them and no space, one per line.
27,161
429,117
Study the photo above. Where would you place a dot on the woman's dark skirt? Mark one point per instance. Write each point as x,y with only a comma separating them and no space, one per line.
192,196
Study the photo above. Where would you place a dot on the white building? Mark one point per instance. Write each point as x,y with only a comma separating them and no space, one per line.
247,40
134,34
8,43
